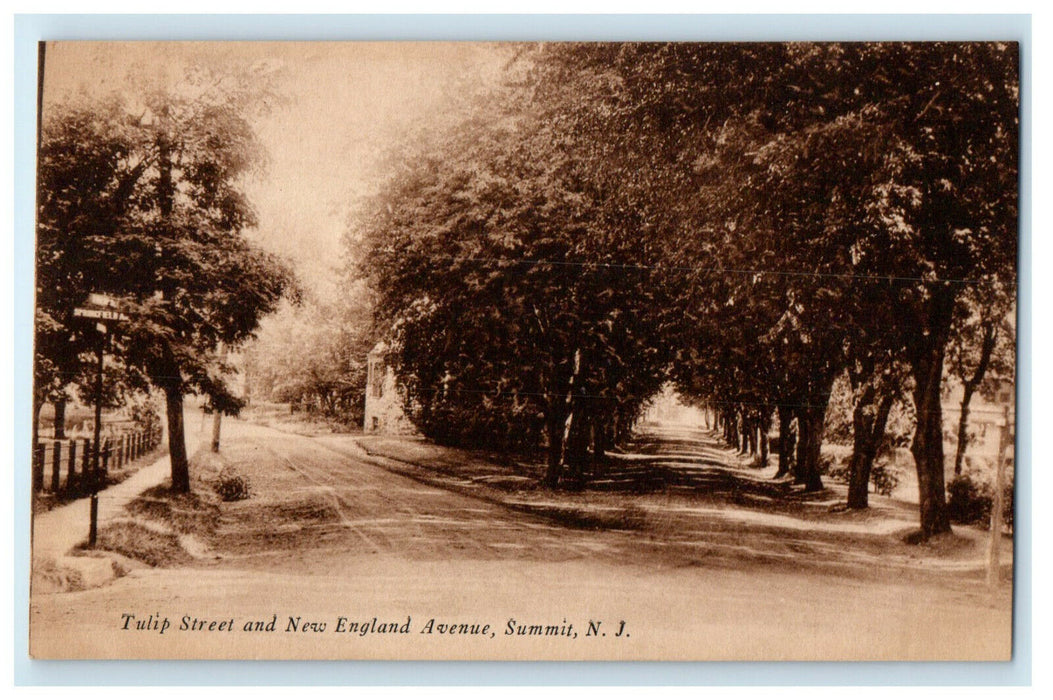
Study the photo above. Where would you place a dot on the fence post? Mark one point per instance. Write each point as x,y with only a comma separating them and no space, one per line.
85,462
1005,439
71,469
105,455
120,452
56,467
38,468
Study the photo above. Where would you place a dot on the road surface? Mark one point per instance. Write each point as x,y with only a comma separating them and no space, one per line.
336,557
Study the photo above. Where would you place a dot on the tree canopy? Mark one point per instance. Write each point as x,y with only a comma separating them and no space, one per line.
143,201
751,220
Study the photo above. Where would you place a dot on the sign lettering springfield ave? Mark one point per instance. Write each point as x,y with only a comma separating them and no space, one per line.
105,314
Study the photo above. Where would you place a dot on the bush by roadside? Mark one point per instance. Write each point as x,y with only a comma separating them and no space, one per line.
970,498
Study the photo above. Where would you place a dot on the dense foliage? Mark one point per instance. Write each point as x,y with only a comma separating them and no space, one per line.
751,220
312,355
143,202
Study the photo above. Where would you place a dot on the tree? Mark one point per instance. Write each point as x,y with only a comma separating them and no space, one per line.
805,208
83,192
883,172
314,353
152,190
981,353
514,279
947,215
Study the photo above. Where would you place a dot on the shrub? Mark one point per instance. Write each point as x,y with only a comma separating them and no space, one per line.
970,499
231,486
884,476
143,411
834,468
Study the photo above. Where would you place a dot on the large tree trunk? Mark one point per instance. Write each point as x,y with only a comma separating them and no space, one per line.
732,425
60,419
809,444
969,388
811,422
868,430
570,456
927,447
554,429
576,445
751,435
177,441
623,425
786,443
600,435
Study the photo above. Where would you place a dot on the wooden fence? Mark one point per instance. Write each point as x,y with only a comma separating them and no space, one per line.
53,457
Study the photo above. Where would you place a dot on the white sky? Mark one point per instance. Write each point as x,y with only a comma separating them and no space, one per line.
343,105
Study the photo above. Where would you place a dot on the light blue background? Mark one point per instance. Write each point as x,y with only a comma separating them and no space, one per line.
32,28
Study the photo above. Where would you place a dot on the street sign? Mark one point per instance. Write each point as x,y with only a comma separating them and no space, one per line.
104,314
101,308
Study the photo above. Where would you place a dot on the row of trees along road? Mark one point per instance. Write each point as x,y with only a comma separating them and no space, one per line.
312,353
749,220
139,198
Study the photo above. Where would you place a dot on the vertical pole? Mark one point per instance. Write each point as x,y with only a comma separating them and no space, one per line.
56,467
217,415
93,527
216,419
71,470
38,467
993,569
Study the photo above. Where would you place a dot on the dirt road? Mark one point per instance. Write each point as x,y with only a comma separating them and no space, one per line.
330,542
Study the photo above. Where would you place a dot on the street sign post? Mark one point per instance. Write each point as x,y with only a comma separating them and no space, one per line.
102,309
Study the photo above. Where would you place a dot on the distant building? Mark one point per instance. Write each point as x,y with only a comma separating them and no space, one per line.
384,412
985,421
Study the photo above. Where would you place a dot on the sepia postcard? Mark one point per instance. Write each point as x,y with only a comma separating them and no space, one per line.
525,351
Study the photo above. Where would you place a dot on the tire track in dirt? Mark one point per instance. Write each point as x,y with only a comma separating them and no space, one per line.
337,500
418,518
